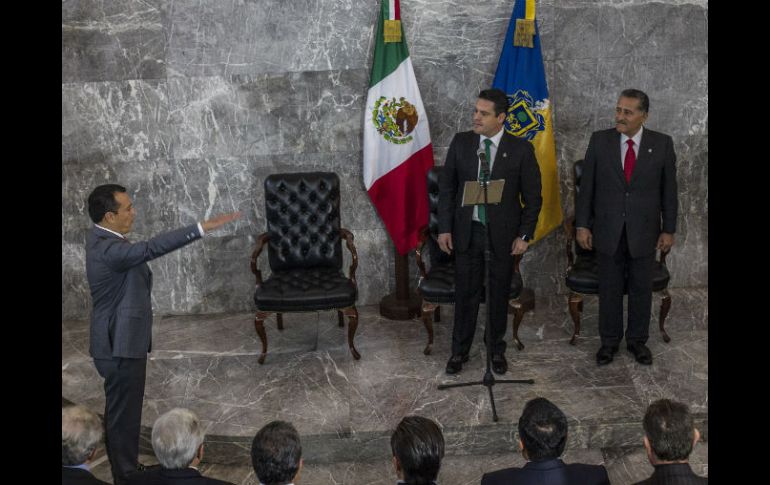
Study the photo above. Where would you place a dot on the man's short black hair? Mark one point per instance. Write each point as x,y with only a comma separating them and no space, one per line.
670,429
498,97
543,429
276,453
102,200
644,101
418,444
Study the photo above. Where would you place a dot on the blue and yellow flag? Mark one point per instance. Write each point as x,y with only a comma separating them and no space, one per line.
521,74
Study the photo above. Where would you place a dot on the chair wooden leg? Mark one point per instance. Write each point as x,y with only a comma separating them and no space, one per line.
352,315
575,309
428,309
437,314
279,320
665,306
519,306
259,326
340,318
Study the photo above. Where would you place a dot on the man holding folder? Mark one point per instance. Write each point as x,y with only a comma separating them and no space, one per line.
463,228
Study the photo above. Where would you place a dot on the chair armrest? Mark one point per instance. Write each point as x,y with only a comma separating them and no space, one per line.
261,240
663,255
569,232
516,262
422,239
348,236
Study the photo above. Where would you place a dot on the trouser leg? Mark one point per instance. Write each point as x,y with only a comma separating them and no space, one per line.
124,393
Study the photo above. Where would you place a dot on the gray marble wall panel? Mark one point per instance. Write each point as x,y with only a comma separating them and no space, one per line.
192,104
108,40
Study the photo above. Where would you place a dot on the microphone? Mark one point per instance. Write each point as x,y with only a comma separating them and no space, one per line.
484,172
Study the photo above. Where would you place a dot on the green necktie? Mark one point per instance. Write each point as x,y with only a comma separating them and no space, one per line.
482,209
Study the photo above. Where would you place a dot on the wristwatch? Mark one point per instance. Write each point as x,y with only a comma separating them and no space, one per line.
524,238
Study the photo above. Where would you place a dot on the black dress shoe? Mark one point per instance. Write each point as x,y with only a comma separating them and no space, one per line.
605,353
499,364
455,364
641,353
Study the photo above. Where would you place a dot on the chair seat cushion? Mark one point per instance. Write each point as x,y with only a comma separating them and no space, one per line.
439,284
305,289
583,277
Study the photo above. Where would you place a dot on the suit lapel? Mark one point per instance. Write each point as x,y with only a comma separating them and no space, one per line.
617,165
645,153
503,152
471,155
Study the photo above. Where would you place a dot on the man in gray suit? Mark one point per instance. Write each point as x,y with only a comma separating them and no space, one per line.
121,320
627,209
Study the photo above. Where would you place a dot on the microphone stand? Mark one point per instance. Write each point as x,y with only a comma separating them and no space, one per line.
488,380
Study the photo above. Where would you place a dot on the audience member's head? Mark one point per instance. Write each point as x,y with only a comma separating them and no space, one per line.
542,430
669,432
276,454
177,439
418,447
81,432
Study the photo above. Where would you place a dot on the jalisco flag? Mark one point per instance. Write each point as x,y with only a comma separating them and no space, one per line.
520,73
397,148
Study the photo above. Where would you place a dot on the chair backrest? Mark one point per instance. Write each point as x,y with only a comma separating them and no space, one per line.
436,255
303,220
577,173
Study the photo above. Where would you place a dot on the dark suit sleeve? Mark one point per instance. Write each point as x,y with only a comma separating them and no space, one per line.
531,192
120,255
584,206
447,194
669,202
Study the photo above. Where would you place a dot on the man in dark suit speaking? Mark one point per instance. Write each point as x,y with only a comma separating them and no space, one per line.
511,226
627,209
121,319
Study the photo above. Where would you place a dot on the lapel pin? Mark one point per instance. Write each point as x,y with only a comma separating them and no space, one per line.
649,150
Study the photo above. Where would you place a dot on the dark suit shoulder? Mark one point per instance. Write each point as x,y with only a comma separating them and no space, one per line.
78,476
514,140
465,136
654,134
505,475
590,473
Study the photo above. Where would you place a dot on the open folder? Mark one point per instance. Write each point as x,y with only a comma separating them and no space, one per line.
473,193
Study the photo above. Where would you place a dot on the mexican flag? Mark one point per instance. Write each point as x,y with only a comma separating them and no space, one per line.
397,148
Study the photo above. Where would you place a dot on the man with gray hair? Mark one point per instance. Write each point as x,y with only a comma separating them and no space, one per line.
177,439
81,432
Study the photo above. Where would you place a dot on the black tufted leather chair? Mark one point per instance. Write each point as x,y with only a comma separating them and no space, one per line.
437,285
583,272
304,250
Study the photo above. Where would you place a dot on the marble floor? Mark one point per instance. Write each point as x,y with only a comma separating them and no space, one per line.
345,409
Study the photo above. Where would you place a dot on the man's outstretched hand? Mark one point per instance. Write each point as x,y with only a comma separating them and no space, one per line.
219,220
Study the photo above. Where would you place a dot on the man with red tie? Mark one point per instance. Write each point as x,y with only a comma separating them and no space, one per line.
626,209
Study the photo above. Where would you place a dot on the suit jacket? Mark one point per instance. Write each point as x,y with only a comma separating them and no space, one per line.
516,163
674,474
549,472
647,205
121,283
166,476
78,476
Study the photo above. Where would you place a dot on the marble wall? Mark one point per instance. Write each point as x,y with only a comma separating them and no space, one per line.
191,104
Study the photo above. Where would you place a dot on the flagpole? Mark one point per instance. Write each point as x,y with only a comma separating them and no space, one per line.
403,304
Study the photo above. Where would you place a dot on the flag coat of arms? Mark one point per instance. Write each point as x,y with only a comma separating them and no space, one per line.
521,74
397,149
